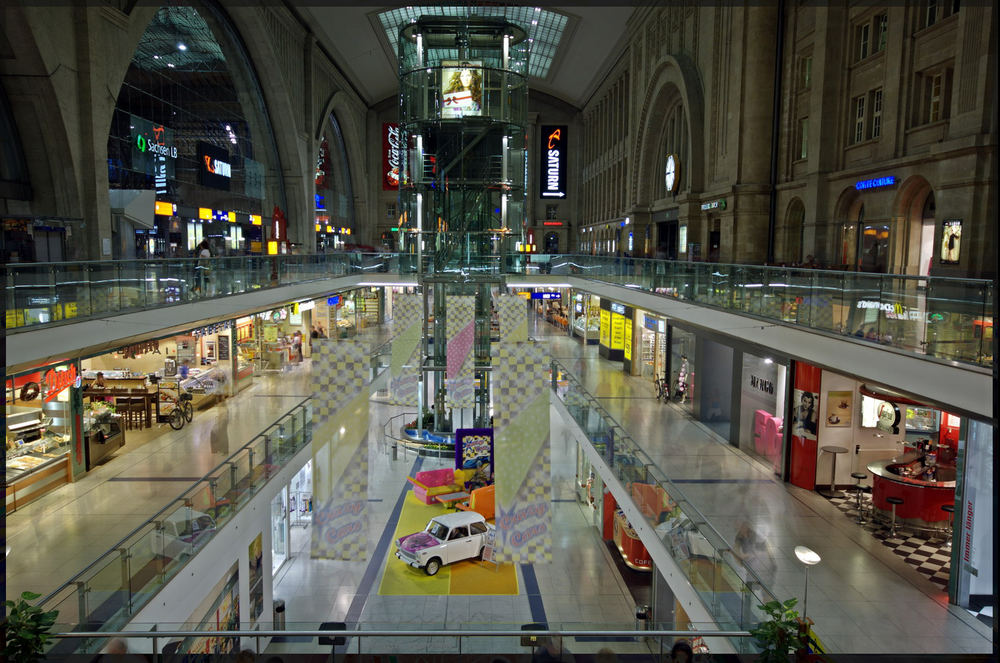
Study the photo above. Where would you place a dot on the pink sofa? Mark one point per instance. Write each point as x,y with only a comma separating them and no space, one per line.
428,484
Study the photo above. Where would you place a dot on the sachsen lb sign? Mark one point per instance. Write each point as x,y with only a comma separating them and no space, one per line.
552,163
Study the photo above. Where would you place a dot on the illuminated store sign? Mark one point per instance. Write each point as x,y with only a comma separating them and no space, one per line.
875,183
618,308
552,169
715,204
546,295
390,156
214,168
153,151
951,241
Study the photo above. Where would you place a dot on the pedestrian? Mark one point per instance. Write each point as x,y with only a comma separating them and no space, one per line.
220,433
203,266
681,652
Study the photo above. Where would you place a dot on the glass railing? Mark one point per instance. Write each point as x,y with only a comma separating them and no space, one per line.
730,589
946,318
111,590
572,639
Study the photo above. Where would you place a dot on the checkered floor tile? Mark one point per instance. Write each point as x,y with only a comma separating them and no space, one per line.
925,551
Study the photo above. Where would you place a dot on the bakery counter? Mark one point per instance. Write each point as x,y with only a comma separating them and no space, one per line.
632,550
906,477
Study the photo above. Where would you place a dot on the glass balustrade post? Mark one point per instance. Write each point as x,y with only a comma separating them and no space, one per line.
81,600
126,579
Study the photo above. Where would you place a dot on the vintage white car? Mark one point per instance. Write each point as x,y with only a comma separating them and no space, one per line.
449,538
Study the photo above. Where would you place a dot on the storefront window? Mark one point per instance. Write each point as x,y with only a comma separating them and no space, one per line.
682,367
714,393
653,346
190,126
762,400
279,530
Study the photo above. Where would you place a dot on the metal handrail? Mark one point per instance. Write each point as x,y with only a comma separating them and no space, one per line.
406,634
154,518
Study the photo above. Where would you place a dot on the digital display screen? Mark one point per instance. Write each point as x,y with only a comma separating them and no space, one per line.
461,88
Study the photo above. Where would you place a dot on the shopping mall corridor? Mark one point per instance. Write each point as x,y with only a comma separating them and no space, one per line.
861,596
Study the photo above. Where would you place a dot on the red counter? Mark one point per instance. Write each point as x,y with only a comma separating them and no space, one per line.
922,500
633,551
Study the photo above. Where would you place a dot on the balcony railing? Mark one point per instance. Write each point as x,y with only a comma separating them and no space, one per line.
728,587
110,591
941,317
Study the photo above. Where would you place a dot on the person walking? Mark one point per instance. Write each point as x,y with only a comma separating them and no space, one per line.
220,433
203,266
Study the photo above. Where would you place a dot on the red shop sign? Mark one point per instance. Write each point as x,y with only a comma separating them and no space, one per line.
390,156
58,381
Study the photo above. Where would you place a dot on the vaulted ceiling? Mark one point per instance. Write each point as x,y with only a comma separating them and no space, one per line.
575,45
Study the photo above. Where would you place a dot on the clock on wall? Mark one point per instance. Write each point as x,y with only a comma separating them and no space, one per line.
672,173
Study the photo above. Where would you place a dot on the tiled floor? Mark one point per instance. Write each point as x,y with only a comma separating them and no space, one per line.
863,597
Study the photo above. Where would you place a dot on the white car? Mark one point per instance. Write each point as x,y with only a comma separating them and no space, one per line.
449,538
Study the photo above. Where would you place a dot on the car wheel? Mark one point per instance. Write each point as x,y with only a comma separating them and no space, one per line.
433,566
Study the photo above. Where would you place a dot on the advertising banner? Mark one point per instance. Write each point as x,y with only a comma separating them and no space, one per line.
214,167
805,413
256,553
605,328
461,328
628,339
461,88
154,151
617,331
552,166
513,319
340,372
473,448
390,156
404,362
522,454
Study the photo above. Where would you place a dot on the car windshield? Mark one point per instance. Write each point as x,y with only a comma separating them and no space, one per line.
437,530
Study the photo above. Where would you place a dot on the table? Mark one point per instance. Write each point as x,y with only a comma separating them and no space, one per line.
832,491
147,396
450,499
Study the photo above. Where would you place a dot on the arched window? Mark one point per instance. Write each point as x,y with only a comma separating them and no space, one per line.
790,233
334,192
191,126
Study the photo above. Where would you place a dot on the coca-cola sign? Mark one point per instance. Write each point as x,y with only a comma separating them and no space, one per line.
390,156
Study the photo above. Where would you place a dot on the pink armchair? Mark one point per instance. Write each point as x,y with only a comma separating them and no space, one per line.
428,484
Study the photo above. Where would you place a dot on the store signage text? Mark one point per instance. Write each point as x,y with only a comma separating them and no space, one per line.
217,167
618,308
58,381
214,168
893,311
715,204
763,385
552,170
546,295
875,183
390,156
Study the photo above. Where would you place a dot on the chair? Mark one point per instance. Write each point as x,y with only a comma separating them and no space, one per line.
860,490
137,407
123,406
950,510
893,501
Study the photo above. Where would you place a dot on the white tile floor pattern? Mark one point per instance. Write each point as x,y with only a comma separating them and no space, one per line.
862,597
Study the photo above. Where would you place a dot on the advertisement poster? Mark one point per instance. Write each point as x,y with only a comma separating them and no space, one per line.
804,414
606,328
256,551
473,448
390,156
223,615
951,241
461,88
617,331
838,409
552,169
167,393
628,339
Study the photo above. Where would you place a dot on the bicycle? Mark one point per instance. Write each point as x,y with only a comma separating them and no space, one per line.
181,413
662,390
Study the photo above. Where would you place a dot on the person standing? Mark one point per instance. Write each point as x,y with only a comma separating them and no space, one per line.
203,267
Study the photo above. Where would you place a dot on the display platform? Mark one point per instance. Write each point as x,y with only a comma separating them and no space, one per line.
468,578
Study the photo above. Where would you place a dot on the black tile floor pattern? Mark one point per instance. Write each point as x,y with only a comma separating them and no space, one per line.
924,551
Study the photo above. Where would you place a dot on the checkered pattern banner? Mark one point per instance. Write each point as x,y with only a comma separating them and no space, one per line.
513,314
340,523
405,361
461,331
340,369
521,452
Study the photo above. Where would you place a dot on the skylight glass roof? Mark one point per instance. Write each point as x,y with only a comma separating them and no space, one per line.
544,28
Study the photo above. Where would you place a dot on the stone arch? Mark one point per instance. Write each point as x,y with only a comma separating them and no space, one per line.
790,229
672,77
844,237
342,106
913,229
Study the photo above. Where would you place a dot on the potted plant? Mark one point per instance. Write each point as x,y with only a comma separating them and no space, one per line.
26,629
782,633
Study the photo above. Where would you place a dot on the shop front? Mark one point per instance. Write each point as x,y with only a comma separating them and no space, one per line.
586,318
613,318
931,467
653,353
762,402
44,429
549,306
681,367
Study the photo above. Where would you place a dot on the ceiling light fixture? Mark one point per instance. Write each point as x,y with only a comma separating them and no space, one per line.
182,46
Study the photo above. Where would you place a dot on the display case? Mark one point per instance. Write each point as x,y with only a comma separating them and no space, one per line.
206,385
589,326
37,454
102,431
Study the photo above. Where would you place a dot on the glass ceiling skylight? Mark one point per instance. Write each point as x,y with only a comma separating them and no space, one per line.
544,28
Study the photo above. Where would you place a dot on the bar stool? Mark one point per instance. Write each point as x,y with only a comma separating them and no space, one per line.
123,406
860,490
893,501
950,510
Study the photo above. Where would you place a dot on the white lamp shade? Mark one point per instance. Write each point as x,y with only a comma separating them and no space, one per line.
807,556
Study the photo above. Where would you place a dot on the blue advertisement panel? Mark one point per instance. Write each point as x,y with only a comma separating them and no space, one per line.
473,448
